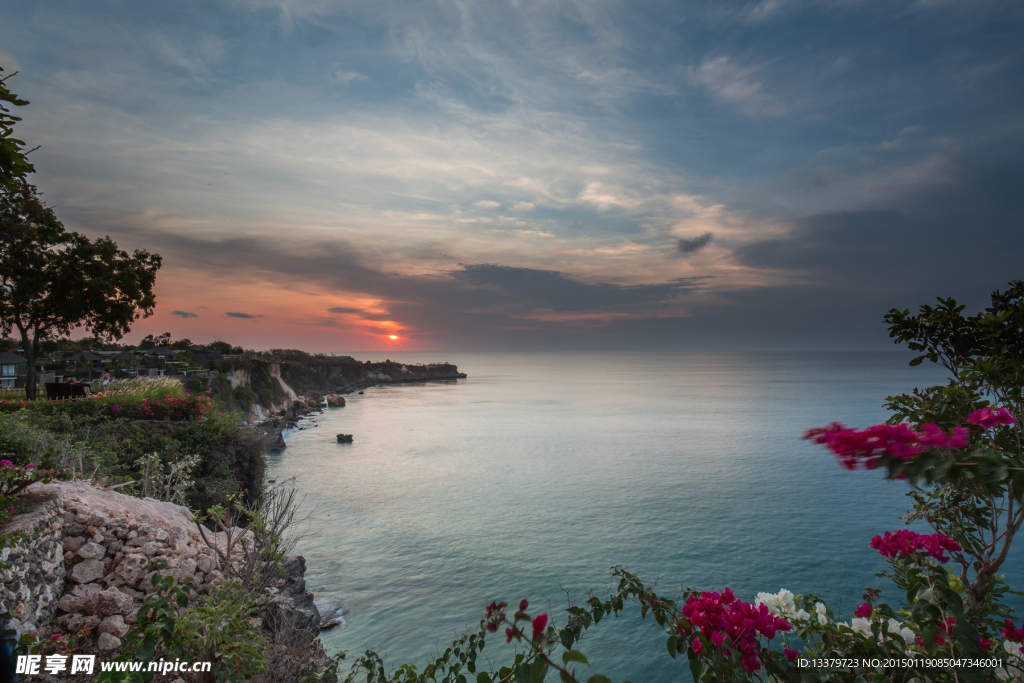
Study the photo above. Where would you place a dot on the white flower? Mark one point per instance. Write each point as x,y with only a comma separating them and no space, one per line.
862,626
1012,648
801,615
820,609
905,633
780,604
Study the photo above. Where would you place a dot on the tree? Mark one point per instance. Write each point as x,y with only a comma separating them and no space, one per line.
984,354
13,163
149,341
53,281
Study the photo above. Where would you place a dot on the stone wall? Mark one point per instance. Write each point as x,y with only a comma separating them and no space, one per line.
32,568
107,546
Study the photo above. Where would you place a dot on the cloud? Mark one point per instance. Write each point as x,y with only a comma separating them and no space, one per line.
487,204
344,77
901,139
522,206
689,246
553,289
9,65
730,83
246,316
957,233
184,314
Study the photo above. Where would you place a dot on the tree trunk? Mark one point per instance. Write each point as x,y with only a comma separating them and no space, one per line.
30,356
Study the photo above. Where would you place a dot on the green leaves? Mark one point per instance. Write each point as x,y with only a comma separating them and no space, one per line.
13,162
538,670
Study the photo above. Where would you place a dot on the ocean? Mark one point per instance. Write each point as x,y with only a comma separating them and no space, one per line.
535,475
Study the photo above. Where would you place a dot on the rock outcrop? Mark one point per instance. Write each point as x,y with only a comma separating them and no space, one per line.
105,544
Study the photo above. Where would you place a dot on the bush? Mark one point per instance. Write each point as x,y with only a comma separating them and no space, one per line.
195,385
124,407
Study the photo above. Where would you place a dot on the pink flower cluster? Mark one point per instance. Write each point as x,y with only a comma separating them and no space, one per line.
905,542
853,446
719,616
986,418
1011,632
28,469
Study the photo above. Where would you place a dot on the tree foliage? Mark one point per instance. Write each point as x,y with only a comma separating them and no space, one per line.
13,164
53,281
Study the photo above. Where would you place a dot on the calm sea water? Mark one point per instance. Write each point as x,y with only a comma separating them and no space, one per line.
540,471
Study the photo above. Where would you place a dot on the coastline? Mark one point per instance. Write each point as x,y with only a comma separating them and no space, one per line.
329,394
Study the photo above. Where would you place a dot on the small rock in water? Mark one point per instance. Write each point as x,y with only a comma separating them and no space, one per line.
328,622
344,438
360,392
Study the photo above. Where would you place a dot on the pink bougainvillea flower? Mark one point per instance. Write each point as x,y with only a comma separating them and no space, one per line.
1010,632
523,604
864,611
697,646
790,654
862,448
539,623
985,643
986,418
905,543
718,638
715,614
6,463
509,632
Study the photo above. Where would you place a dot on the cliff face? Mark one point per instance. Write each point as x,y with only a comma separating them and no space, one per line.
301,384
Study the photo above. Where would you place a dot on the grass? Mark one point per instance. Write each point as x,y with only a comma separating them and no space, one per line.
138,388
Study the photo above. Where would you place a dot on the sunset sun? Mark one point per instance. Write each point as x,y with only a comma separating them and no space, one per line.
392,336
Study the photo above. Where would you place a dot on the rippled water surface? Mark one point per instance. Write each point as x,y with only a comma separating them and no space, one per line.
541,471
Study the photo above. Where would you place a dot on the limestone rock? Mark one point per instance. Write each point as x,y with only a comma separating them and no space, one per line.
113,601
335,401
74,603
131,570
73,543
206,564
92,551
115,626
86,571
108,642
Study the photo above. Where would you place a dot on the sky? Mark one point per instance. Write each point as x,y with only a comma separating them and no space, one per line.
528,175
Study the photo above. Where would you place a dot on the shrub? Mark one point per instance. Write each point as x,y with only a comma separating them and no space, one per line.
138,388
